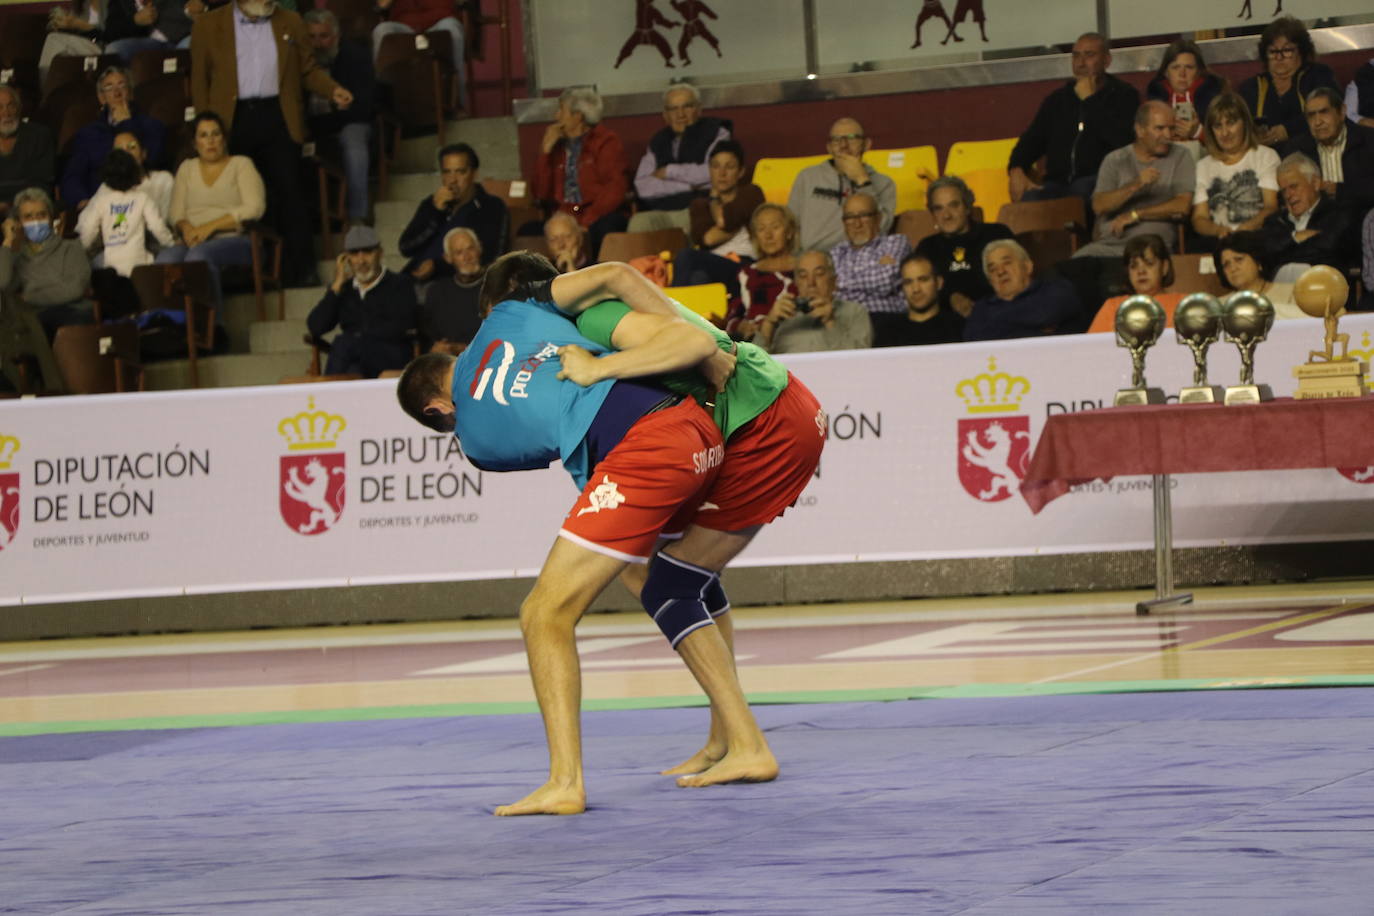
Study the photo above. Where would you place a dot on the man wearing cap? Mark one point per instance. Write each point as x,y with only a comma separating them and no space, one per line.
374,309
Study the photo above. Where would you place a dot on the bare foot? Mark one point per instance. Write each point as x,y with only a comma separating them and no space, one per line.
736,766
548,799
702,760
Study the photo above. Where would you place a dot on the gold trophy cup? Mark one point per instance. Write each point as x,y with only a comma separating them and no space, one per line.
1247,318
1197,325
1139,322
1321,292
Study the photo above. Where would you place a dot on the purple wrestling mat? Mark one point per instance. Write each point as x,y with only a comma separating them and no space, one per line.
1242,802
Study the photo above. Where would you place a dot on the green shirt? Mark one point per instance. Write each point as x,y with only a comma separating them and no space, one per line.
755,385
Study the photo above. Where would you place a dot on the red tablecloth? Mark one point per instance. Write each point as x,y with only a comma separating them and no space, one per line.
1188,438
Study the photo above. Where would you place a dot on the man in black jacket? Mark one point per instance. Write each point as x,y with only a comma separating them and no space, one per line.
1344,151
1310,228
675,168
345,132
373,308
1076,127
459,201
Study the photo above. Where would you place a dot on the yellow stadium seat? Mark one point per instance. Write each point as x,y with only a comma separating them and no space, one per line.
775,176
911,169
707,300
983,166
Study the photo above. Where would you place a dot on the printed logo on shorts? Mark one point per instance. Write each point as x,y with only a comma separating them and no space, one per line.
605,496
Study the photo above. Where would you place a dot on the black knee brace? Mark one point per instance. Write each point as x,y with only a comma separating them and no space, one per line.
675,596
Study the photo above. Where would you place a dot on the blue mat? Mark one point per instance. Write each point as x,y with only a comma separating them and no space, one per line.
1244,802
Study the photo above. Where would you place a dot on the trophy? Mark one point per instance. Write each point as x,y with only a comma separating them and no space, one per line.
1247,318
1139,321
1197,324
1321,292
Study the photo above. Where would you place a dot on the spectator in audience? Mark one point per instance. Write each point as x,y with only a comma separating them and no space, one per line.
1184,83
1359,96
157,24
1237,188
348,129
74,29
93,142
459,201
214,195
1077,125
373,308
1366,302
1020,306
157,184
868,264
956,248
250,60
27,155
675,169
773,230
567,240
582,167
48,272
449,316
819,191
1344,151
1151,272
720,224
1243,264
1291,72
120,217
412,17
814,319
1145,188
927,320
1310,228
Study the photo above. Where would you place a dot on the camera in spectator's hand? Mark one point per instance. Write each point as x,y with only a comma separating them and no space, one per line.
803,304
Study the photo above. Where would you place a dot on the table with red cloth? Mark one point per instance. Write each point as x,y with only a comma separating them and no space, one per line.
1165,439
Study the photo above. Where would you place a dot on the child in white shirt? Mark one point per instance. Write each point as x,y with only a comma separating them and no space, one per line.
121,216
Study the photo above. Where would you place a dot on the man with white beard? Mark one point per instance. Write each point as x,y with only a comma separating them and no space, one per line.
374,309
27,156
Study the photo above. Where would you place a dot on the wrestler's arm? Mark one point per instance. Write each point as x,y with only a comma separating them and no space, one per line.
645,345
578,291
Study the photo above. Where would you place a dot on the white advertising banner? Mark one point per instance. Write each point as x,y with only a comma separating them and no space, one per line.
1131,17
296,486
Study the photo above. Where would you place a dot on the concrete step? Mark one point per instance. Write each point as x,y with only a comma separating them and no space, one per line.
390,218
299,302
278,336
230,371
494,139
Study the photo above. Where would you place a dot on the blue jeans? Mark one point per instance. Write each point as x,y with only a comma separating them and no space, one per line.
126,48
218,252
355,140
448,24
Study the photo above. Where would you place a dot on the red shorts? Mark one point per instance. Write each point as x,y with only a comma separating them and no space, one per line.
655,478
767,463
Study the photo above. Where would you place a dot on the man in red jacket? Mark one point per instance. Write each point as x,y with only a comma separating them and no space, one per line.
582,167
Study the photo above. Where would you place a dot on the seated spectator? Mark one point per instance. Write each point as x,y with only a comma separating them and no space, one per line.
773,230
157,24
1359,96
956,248
815,318
459,201
581,168
449,316
868,263
567,241
1237,188
373,308
120,217
1291,71
74,30
927,320
1344,151
1366,303
27,154
1184,83
413,17
720,224
214,195
347,130
1020,305
156,184
820,190
675,169
1075,127
94,141
48,272
1242,265
1151,272
1310,228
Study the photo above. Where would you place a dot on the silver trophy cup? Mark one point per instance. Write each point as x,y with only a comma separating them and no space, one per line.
1197,325
1247,318
1139,322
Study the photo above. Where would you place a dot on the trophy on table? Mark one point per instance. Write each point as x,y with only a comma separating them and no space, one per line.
1247,318
1321,292
1139,321
1197,325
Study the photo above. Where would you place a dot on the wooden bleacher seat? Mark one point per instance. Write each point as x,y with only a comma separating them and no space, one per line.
181,288
625,246
99,358
1194,273
418,70
983,166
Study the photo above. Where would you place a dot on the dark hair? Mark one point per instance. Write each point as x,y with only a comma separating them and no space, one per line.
1137,247
914,256
1250,242
454,149
1294,31
1332,96
729,146
202,116
1181,46
950,181
510,272
121,171
421,382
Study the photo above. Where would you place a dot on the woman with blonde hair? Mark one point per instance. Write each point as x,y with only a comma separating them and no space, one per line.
774,231
1237,181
